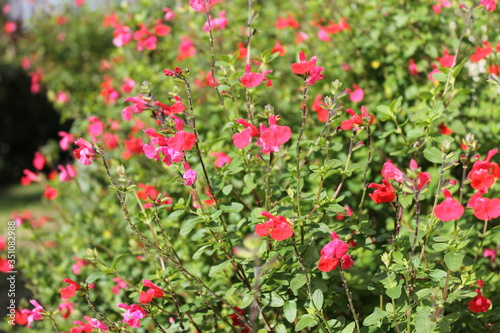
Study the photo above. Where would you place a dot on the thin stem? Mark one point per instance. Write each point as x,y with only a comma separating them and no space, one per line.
212,59
351,303
297,158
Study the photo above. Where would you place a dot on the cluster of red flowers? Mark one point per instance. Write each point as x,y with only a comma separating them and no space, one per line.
333,253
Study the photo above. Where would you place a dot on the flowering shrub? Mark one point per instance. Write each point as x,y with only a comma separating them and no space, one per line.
203,200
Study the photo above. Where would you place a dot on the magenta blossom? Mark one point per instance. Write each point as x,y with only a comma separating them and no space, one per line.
189,176
35,314
333,253
133,315
450,209
219,23
85,153
251,80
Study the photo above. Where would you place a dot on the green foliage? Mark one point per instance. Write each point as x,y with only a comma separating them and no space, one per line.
129,218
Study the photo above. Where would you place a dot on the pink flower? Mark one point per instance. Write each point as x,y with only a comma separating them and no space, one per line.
201,5
222,159
153,292
66,173
138,106
120,284
128,85
492,253
189,176
65,309
79,3
122,35
357,94
219,23
332,253
39,161
96,126
186,48
489,4
383,192
412,67
479,303
251,80
390,171
133,315
277,227
315,75
272,137
96,323
77,266
66,140
278,48
85,153
62,97
450,209
35,314
169,14
9,27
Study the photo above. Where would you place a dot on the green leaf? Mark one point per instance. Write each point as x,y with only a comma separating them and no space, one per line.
200,251
290,311
425,94
247,300
227,189
219,268
394,292
305,322
433,154
317,298
297,282
235,207
280,328
94,277
440,77
453,261
349,328
375,317
188,225
273,300
423,323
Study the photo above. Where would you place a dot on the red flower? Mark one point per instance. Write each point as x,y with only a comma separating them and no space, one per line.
304,66
356,119
278,48
50,193
383,193
319,107
186,48
445,130
153,292
222,159
277,227
201,5
479,303
484,173
70,290
243,139
251,80
481,52
332,253
484,208
289,21
133,315
446,60
489,4
450,209
138,106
